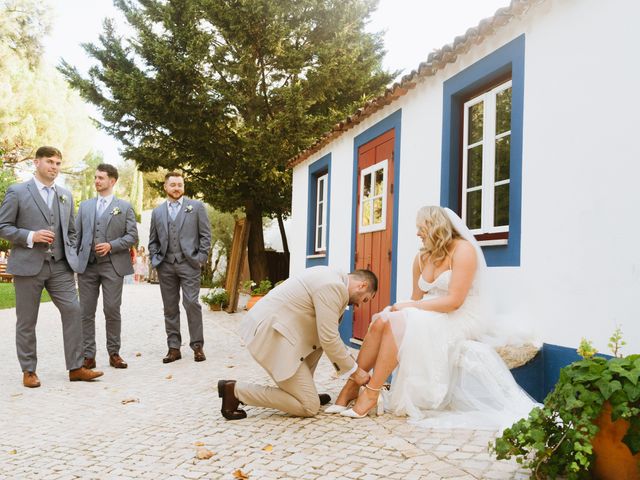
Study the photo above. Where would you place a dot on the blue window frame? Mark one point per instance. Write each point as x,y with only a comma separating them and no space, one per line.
505,63
318,210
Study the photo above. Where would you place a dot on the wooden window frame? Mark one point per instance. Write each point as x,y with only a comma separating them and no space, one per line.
320,244
384,166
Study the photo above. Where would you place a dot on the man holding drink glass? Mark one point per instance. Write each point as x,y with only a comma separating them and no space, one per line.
37,217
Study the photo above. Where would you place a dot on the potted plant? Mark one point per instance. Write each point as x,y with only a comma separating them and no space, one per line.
217,298
589,424
257,291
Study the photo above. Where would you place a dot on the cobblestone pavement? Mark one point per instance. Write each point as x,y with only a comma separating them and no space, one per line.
66,430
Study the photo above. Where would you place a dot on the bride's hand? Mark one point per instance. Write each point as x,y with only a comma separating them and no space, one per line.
400,305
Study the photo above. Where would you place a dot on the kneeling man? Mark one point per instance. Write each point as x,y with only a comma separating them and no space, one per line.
286,333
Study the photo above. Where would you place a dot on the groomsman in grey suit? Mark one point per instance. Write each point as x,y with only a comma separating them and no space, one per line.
179,242
37,217
106,228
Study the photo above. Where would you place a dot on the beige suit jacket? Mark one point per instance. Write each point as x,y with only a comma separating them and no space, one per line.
297,321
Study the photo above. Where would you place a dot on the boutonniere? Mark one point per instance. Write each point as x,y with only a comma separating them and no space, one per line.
63,199
188,208
115,211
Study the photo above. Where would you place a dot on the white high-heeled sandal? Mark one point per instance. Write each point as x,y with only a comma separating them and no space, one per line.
378,409
341,408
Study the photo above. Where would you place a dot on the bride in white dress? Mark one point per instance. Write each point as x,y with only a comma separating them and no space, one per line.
442,377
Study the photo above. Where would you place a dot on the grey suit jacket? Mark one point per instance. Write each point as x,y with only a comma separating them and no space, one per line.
121,233
298,320
195,233
23,211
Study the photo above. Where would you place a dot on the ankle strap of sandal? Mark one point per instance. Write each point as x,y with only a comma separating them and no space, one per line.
372,389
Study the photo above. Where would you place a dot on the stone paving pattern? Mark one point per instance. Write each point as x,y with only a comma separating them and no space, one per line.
65,430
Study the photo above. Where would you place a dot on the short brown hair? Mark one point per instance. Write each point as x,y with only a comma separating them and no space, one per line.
47,151
368,276
172,174
110,170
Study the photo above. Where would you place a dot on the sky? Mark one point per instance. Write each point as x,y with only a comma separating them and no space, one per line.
413,28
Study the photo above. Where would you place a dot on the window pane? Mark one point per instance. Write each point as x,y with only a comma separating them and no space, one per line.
476,121
503,111
377,211
474,167
501,206
379,182
321,189
319,239
503,154
367,186
474,209
366,214
320,213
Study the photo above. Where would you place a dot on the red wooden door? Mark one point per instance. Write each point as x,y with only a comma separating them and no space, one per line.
374,223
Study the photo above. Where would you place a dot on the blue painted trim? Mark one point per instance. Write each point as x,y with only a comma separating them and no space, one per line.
510,57
316,169
393,121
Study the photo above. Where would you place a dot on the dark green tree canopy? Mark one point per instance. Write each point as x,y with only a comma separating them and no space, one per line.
229,90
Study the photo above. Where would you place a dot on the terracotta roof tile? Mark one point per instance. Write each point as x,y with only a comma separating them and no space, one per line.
436,61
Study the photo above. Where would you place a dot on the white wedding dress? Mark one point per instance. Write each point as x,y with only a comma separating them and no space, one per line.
445,378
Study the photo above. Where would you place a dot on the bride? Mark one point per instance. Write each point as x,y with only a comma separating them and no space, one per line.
441,376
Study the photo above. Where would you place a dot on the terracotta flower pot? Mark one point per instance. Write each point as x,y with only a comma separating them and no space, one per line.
253,300
614,460
216,307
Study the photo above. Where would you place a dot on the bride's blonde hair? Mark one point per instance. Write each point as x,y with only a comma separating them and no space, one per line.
438,232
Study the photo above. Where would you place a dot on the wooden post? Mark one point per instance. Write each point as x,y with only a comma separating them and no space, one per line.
236,261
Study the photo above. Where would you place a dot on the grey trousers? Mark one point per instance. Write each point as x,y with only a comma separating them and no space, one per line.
96,275
57,278
173,277
296,395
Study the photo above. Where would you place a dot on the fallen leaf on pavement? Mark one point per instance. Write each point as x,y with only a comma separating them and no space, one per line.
169,377
16,394
199,444
138,354
129,400
240,474
203,454
230,366
13,452
268,448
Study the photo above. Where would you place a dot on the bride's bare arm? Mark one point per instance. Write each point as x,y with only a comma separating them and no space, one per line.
416,294
463,270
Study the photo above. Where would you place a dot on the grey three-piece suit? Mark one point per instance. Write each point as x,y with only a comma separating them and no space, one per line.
23,211
178,248
117,226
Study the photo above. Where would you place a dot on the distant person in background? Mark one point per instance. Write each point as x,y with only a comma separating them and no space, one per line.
37,218
141,267
106,227
129,278
3,257
179,243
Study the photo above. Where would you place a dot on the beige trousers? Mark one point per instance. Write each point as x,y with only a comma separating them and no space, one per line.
296,395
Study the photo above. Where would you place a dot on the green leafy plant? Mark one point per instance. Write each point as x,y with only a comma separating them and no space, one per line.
555,440
250,287
216,296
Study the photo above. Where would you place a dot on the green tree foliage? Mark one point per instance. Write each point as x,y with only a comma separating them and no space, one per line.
229,90
81,179
37,105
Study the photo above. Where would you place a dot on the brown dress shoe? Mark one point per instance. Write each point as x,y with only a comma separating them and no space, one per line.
230,402
116,361
172,355
84,375
89,363
30,380
198,354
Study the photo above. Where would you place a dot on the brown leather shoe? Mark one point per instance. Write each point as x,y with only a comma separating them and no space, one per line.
116,361
230,402
84,375
30,379
172,355
89,363
198,354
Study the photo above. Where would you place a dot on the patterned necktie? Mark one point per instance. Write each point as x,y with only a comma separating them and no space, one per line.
101,206
173,211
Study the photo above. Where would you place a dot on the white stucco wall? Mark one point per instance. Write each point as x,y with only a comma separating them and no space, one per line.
579,272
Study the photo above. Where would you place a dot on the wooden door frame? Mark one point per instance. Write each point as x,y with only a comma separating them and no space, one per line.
391,122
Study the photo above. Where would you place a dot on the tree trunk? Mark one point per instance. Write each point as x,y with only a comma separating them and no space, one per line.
283,234
258,267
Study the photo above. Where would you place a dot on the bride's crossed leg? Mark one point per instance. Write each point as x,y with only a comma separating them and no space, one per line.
379,351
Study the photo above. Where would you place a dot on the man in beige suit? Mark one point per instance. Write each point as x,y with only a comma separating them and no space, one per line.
287,331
